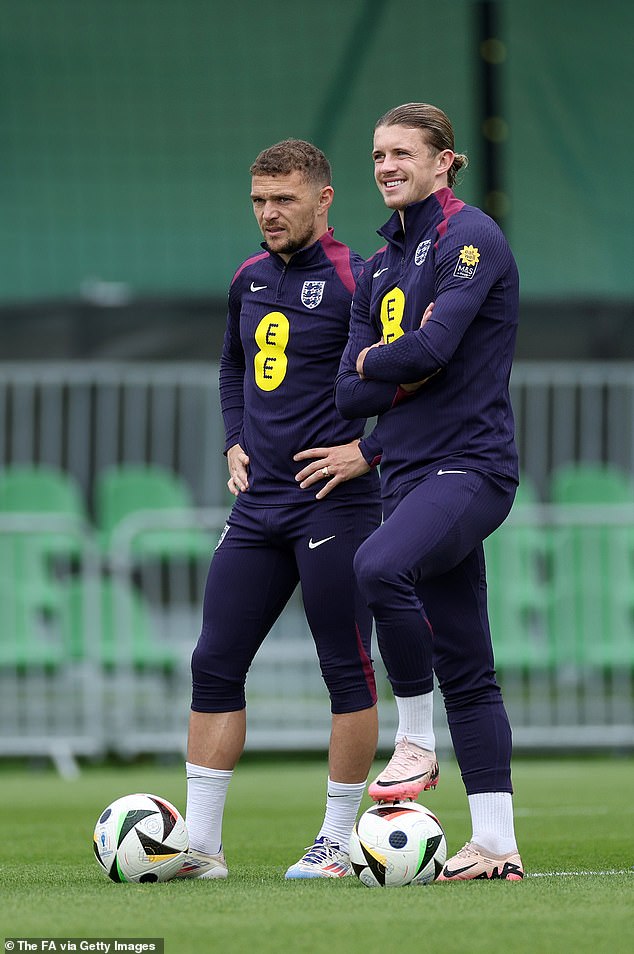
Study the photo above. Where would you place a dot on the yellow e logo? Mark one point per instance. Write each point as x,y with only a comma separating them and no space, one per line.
270,362
392,310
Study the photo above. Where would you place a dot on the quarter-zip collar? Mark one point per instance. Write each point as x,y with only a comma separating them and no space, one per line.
307,257
419,216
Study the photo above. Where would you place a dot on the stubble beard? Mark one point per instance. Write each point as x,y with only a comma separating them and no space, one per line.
291,246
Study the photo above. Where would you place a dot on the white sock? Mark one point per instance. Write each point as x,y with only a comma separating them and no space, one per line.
206,796
342,805
492,821
416,720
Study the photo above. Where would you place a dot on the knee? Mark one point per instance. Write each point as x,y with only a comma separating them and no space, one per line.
375,577
368,570
465,693
215,688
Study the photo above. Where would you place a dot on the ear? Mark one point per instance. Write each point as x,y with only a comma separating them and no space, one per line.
445,161
326,196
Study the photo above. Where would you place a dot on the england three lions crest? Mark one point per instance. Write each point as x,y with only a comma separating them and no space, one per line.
421,252
312,293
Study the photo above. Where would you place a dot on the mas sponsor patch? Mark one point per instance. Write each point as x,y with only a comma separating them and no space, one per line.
467,262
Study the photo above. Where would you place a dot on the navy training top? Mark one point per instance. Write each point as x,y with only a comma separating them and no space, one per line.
456,256
287,327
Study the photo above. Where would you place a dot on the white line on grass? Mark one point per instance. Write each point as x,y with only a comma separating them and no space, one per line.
578,810
574,874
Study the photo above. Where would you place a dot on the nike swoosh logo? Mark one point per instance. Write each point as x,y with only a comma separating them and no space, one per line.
412,778
255,287
380,272
441,472
451,873
317,543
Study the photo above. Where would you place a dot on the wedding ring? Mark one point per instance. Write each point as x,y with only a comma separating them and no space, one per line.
325,471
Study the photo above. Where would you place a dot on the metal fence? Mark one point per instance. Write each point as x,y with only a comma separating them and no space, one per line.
99,622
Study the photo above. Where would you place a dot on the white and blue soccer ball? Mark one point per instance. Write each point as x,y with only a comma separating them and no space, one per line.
140,838
397,843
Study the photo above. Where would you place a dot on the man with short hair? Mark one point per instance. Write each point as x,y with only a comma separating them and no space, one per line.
442,298
287,327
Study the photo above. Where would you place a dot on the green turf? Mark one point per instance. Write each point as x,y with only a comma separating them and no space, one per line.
572,815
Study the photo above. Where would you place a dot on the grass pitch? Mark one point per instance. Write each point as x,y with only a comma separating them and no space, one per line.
575,827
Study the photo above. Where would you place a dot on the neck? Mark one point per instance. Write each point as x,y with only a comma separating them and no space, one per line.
317,234
441,185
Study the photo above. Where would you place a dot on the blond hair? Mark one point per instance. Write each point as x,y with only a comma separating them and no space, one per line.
435,124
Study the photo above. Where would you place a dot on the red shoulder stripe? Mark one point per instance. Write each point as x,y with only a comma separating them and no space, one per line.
449,205
249,261
339,255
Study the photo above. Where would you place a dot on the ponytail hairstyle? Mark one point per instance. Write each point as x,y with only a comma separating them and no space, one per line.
436,127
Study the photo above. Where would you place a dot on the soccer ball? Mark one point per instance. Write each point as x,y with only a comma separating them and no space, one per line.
140,838
397,843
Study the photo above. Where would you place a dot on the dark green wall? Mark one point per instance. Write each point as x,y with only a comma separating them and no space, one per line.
127,128
569,101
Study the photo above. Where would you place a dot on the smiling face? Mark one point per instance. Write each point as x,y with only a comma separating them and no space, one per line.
406,168
291,211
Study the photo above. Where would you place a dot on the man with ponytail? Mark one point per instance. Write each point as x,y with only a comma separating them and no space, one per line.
432,338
